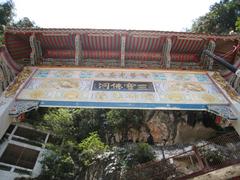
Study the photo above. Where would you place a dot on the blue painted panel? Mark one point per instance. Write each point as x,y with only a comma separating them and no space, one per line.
122,105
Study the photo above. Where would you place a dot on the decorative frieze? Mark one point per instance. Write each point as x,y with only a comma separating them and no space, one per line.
225,86
19,80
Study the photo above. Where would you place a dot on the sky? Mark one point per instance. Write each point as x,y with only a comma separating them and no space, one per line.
164,15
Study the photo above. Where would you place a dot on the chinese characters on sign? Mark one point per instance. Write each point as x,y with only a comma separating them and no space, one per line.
123,86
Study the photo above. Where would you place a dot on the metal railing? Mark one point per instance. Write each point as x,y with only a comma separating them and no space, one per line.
204,157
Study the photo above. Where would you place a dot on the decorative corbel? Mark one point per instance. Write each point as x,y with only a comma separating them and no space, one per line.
36,53
78,50
33,56
123,44
166,52
224,111
207,61
19,107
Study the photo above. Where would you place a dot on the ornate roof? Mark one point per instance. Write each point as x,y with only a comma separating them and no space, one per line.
102,47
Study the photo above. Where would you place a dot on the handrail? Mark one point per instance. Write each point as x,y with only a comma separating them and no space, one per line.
202,165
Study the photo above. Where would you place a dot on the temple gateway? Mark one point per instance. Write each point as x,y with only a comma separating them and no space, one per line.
124,69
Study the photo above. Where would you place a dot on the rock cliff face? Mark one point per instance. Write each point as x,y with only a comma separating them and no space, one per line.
168,127
173,131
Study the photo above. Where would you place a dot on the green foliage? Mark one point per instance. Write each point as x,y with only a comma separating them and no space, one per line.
121,120
75,124
213,156
87,121
24,22
65,160
57,165
6,18
133,154
59,121
238,24
125,157
1,39
35,117
143,153
90,147
6,13
221,19
81,130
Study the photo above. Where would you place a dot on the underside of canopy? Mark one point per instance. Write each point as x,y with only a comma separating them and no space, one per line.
117,48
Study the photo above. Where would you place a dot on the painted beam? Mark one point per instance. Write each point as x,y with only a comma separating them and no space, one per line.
123,45
166,52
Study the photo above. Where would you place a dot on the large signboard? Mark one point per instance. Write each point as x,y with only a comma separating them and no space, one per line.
122,88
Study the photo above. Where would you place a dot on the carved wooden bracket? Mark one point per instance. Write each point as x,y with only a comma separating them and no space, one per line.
123,44
166,52
78,50
36,54
207,61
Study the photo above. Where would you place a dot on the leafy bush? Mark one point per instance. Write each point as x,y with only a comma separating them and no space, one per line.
143,153
59,121
87,121
121,120
214,156
1,39
57,166
74,124
90,147
238,24
134,154
125,157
